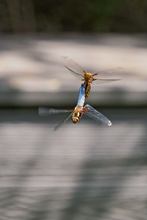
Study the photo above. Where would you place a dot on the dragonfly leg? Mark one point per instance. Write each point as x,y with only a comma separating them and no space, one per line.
85,110
95,74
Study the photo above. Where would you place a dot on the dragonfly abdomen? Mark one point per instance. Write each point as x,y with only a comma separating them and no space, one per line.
87,89
81,97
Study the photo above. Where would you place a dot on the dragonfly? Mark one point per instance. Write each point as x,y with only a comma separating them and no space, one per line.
76,114
87,77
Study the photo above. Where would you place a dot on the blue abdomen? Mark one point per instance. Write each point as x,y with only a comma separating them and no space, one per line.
81,97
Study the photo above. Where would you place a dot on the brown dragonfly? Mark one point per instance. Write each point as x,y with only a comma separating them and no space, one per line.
86,76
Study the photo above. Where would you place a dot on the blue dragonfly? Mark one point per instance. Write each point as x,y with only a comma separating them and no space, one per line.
77,113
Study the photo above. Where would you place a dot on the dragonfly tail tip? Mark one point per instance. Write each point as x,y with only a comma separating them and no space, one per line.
109,123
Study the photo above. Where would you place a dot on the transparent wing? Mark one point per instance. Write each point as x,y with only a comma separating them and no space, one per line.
97,116
72,71
109,80
61,123
43,111
112,72
73,67
100,80
108,73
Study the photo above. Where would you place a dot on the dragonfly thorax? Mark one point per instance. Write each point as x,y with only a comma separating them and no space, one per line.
88,77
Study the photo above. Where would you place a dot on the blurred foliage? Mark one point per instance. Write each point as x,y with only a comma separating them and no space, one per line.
73,15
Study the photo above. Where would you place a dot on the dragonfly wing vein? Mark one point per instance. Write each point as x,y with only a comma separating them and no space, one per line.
96,115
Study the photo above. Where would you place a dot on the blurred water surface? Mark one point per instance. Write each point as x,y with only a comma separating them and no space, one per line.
84,171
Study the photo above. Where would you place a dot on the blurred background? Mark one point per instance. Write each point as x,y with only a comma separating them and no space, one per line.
85,171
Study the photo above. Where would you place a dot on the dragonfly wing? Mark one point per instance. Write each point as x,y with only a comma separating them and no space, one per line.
108,80
63,122
100,80
74,72
73,67
43,111
112,72
96,115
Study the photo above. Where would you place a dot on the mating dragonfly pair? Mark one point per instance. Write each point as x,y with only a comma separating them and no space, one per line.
84,91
